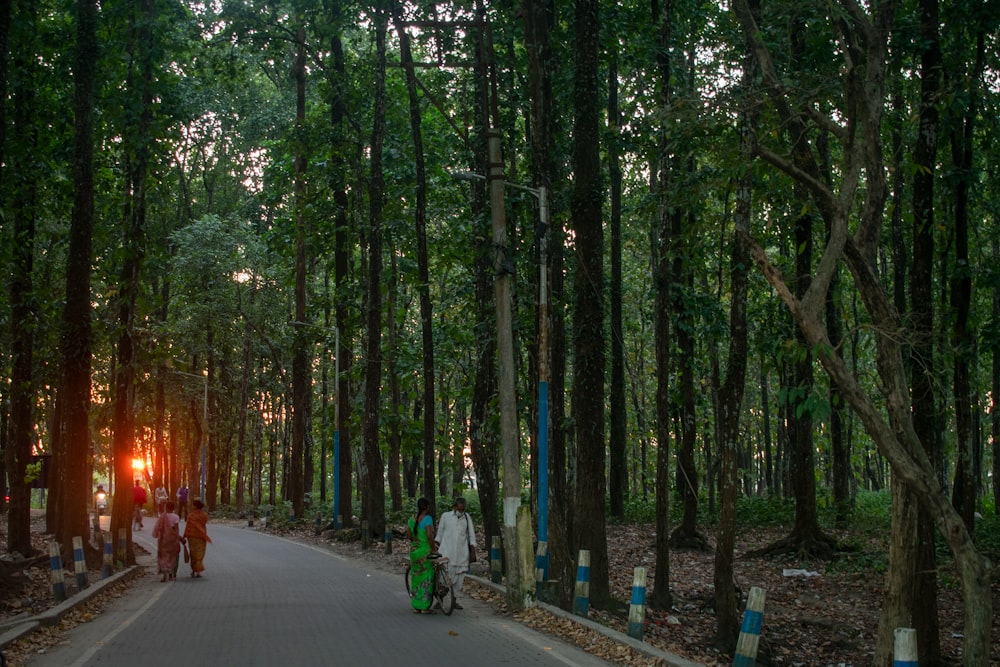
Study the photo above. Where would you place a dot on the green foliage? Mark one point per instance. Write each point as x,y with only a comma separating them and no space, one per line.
987,535
872,513
639,510
32,471
764,511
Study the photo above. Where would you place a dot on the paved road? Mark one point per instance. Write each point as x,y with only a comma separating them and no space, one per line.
268,601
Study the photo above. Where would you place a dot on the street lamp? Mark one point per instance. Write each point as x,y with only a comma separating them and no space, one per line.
508,418
204,419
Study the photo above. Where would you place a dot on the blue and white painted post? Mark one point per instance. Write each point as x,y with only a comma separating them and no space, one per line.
109,557
55,564
581,597
79,564
637,608
122,547
496,561
905,648
753,619
388,541
541,558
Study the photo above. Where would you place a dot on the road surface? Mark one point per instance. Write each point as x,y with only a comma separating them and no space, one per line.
267,601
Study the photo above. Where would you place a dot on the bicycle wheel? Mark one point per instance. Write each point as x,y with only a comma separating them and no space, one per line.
444,591
406,578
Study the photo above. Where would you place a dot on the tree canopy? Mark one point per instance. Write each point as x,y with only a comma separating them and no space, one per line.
250,244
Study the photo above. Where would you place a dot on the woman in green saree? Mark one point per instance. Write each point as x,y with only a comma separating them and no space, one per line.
421,528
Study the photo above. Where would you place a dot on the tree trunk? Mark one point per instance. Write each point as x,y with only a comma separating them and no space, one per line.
372,476
589,357
995,381
76,335
23,308
243,478
138,83
423,271
896,436
342,253
301,379
618,475
926,417
539,19
660,597
686,534
394,463
965,489
731,392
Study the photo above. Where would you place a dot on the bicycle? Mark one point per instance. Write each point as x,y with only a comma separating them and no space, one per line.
444,589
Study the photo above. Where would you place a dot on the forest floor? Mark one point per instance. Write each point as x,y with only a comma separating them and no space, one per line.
816,613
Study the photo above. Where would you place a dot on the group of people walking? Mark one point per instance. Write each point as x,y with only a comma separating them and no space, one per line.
169,540
167,531
454,539
160,498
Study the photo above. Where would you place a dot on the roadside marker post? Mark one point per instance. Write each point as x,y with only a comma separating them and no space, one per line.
541,558
753,620
637,607
55,564
581,597
905,648
109,557
79,564
496,561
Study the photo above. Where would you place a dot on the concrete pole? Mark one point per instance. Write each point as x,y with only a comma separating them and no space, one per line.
510,450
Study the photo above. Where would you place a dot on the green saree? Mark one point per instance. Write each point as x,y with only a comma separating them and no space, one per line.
421,569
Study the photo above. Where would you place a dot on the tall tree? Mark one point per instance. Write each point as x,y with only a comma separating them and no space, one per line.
662,17
483,437
806,538
618,464
301,379
137,143
342,252
866,34
965,489
731,392
76,335
372,476
589,530
917,608
539,20
23,304
423,272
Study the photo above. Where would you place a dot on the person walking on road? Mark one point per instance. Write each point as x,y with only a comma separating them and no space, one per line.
168,542
196,536
421,527
182,501
455,536
138,501
161,499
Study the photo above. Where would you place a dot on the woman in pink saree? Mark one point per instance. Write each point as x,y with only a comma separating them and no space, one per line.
168,542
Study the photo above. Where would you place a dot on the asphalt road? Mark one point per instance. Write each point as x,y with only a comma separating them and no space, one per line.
267,601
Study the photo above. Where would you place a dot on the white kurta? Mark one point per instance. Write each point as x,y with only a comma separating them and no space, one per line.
453,536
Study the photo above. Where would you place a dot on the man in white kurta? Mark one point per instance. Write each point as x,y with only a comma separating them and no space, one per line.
455,533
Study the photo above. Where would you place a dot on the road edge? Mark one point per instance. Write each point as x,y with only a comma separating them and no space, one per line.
669,659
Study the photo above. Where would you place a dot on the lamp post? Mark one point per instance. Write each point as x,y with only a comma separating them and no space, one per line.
204,420
511,478
336,415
